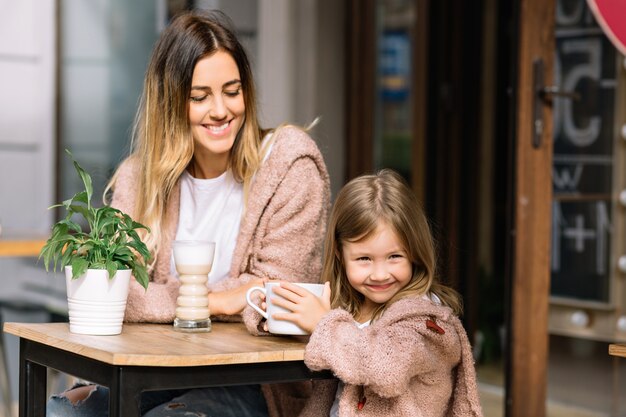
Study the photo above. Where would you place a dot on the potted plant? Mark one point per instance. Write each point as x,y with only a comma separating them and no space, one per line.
98,261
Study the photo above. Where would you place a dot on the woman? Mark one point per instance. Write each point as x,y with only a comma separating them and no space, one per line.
202,168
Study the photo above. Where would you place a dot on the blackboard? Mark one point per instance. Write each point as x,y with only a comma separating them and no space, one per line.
581,237
582,175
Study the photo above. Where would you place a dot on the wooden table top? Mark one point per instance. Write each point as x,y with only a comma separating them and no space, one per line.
617,350
161,345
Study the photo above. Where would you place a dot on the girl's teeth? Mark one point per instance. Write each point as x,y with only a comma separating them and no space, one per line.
218,129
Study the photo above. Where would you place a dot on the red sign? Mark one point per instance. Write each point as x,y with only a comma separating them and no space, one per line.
611,15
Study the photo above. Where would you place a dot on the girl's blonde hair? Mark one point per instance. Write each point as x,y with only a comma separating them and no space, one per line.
163,145
359,208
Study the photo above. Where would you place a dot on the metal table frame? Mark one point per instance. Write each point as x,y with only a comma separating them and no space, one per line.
126,382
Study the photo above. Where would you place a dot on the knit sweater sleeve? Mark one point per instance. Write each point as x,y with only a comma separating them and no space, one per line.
385,356
157,304
288,238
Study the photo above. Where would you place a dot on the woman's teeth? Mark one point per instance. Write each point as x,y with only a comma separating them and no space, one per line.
218,129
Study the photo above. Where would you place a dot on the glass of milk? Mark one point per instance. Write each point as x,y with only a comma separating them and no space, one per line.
193,260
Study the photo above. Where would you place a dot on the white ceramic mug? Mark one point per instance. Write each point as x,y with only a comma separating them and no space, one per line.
280,326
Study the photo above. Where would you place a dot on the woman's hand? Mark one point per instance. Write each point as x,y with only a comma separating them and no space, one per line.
306,308
233,301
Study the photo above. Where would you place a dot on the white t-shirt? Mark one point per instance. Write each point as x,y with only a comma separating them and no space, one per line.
211,209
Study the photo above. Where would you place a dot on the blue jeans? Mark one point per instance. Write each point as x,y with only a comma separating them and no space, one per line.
232,401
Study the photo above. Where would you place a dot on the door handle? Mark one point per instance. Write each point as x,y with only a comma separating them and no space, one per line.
543,95
546,93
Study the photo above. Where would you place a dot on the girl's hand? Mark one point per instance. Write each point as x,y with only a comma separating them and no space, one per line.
306,308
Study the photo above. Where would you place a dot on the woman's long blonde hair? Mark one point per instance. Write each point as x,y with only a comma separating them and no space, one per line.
359,208
163,145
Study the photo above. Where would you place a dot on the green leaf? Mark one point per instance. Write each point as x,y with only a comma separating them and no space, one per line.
141,248
139,226
123,251
133,234
85,177
84,249
79,198
59,229
111,269
71,225
67,256
98,264
108,221
82,210
53,247
79,267
47,252
141,276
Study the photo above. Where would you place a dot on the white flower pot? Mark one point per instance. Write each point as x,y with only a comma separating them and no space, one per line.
96,303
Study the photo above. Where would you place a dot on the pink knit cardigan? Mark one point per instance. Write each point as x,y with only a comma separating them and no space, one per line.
280,235
414,361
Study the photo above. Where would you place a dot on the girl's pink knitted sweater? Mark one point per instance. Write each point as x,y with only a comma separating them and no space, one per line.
415,360
280,235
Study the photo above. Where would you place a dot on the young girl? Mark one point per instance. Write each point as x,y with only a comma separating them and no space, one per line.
392,338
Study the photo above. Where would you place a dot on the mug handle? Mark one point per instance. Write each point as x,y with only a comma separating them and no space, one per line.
253,305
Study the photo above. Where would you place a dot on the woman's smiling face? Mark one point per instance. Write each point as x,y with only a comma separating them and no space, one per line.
216,105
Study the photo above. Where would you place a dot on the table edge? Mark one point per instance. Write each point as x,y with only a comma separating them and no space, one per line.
123,359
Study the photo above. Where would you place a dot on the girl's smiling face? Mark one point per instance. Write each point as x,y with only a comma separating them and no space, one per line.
377,267
216,107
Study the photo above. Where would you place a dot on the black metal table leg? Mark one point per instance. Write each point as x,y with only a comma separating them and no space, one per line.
34,381
125,394
115,400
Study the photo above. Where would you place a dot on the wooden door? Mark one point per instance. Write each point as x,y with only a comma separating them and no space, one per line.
446,141
530,204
